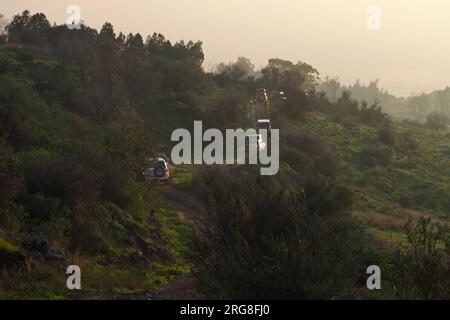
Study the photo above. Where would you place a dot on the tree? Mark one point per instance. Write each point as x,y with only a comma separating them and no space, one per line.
420,105
346,104
331,87
443,98
157,43
18,26
135,68
437,121
27,29
284,75
104,83
195,51
3,36
178,66
240,71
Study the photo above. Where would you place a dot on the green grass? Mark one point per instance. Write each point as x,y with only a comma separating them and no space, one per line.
177,232
395,236
7,246
182,176
426,183
135,279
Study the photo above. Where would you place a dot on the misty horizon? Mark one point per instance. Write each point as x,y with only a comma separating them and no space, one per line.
404,54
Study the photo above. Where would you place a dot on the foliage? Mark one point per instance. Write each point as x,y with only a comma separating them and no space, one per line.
437,121
296,244
80,110
421,268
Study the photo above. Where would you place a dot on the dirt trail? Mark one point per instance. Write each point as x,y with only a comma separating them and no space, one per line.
181,201
183,287
258,111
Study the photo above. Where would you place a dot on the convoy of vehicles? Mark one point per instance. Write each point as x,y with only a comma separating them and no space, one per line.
157,168
261,96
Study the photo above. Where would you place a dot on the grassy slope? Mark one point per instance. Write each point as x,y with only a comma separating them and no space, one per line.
47,281
422,176
377,191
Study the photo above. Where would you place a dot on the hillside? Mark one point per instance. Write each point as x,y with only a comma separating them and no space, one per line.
408,177
69,193
80,113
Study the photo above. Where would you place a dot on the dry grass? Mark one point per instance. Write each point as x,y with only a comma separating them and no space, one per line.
380,171
413,214
384,222
385,242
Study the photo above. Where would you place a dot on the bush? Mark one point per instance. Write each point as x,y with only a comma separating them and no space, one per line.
437,121
68,179
386,135
312,147
373,115
40,207
377,155
11,213
408,143
271,243
296,159
421,269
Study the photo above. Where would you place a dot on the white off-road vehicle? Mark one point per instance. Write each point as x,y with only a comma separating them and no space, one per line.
264,124
158,169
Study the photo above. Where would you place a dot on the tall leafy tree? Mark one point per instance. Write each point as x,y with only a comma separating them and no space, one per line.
135,67
28,29
284,75
104,84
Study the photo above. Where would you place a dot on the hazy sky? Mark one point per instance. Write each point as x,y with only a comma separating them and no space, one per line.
410,53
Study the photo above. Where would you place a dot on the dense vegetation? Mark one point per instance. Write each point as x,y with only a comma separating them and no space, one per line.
80,110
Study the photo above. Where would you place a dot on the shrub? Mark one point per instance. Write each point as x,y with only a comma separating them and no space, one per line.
271,243
421,269
11,213
377,155
40,207
311,147
408,143
373,115
437,121
386,135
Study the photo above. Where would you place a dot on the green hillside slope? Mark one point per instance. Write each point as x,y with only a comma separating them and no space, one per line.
406,178
69,193
77,126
